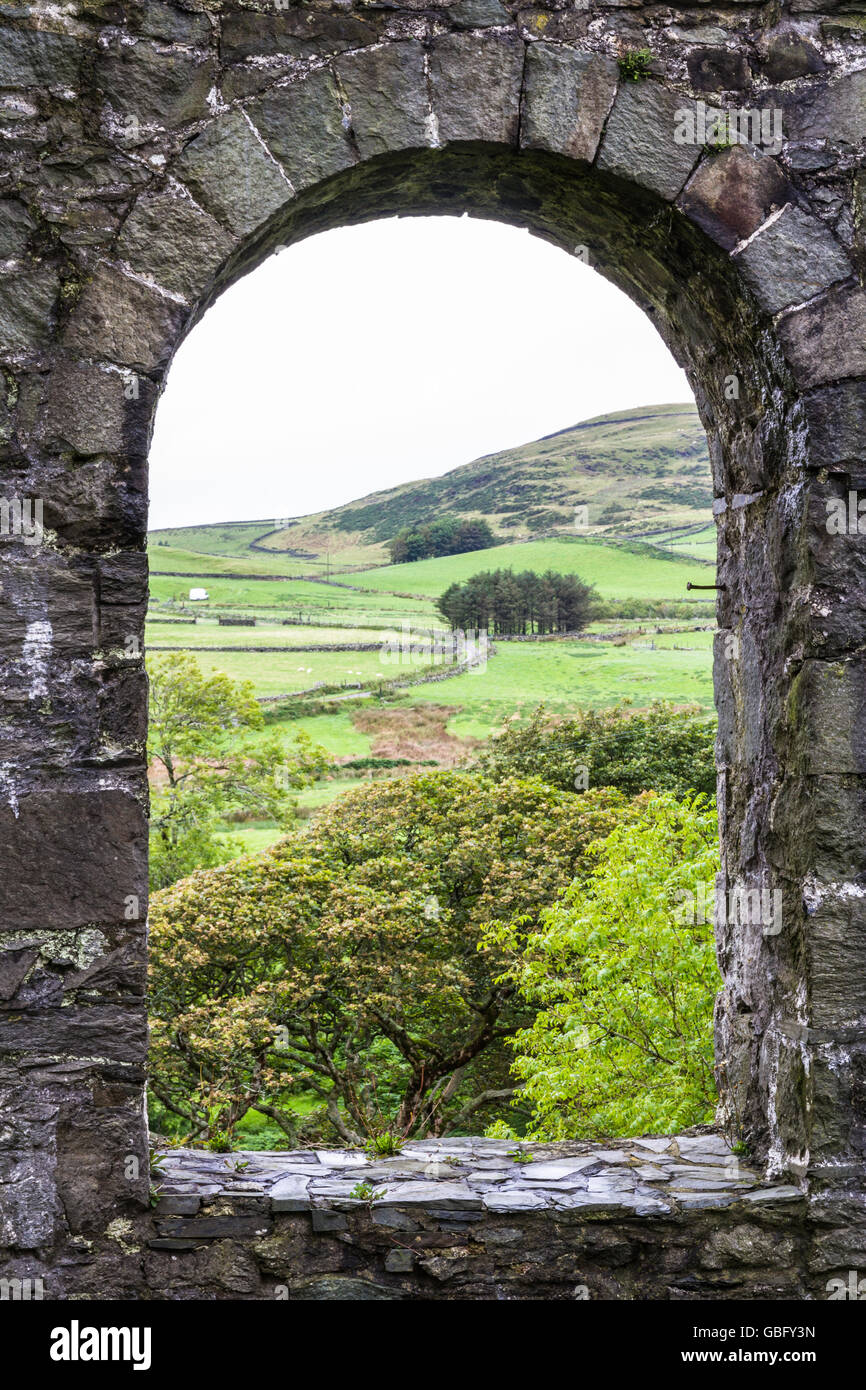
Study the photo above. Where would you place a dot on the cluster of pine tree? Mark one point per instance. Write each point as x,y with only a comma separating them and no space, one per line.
506,603
447,535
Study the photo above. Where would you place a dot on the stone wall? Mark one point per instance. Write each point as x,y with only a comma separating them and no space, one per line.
665,1218
152,153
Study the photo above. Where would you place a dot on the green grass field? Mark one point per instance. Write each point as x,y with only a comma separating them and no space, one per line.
569,675
273,673
335,732
287,598
616,571
651,663
170,557
232,539
208,633
564,676
700,544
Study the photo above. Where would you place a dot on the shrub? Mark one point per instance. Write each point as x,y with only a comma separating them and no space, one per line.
661,749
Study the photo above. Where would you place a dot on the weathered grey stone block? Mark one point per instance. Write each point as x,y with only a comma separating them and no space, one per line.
785,1192
27,300
228,1226
827,735
836,419
297,33
837,1081
232,175
71,859
833,111
826,341
387,94
16,225
567,96
123,578
478,14
30,1213
392,1219
324,1220
717,69
303,126
15,965
98,1131
118,319
836,937
159,19
791,260
399,1261
87,409
476,87
169,238
103,1033
38,58
639,143
747,1244
34,637
156,87
823,818
291,1194
177,1204
511,1201
333,1288
790,55
447,1196
732,192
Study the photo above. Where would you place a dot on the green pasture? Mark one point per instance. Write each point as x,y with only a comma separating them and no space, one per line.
211,549
569,675
335,732
276,673
700,544
232,539
289,598
208,633
616,571
169,557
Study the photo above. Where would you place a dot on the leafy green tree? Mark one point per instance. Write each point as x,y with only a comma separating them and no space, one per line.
623,974
446,535
660,749
204,770
505,602
351,961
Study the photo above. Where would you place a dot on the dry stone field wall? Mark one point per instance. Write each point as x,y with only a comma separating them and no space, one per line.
153,152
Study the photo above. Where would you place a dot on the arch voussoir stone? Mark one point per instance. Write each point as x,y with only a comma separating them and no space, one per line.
155,155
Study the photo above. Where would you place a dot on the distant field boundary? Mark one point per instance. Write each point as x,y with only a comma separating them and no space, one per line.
382,687
225,574
422,646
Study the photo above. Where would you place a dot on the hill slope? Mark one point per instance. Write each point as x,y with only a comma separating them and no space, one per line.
638,472
617,570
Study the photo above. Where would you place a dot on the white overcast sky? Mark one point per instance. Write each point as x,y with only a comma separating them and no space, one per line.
369,356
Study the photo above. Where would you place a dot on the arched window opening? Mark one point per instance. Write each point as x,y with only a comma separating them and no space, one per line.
431,551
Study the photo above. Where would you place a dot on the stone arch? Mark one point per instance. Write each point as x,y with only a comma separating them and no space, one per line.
750,281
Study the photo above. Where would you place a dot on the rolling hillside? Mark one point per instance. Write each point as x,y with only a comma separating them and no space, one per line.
315,618
617,569
639,473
